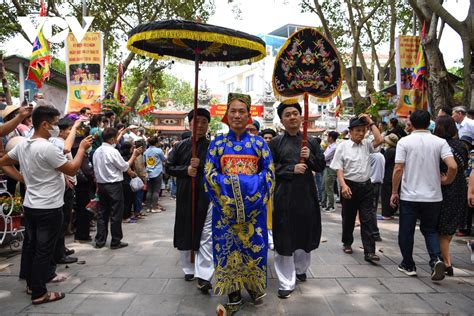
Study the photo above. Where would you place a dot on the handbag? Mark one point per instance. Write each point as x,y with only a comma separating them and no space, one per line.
136,184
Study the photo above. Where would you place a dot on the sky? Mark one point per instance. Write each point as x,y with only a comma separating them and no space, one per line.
264,16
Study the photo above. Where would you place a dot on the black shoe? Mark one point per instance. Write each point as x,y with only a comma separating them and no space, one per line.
407,271
204,285
188,277
98,246
438,271
449,271
120,245
69,252
284,293
66,260
371,257
378,238
301,277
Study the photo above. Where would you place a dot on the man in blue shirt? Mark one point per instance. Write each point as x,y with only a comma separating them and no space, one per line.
154,158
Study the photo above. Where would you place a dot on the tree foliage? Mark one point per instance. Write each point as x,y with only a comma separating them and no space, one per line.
175,89
361,30
115,19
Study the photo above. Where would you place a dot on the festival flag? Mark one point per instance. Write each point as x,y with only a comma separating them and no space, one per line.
118,85
40,59
419,76
339,105
148,104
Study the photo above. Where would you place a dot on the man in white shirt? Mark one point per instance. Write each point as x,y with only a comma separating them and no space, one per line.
329,174
352,165
42,166
108,168
377,167
464,124
417,168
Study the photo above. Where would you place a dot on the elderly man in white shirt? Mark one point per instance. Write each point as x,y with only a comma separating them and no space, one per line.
108,168
352,165
464,124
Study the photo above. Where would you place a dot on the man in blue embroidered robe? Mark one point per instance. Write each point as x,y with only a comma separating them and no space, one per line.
239,179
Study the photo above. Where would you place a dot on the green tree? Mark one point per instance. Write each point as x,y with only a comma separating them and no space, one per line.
115,19
215,125
435,16
179,91
358,26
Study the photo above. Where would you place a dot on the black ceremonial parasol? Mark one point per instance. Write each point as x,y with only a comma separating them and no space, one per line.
307,64
200,43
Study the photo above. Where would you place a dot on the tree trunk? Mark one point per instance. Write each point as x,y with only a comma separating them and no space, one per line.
141,86
125,65
466,47
4,80
353,86
393,24
441,91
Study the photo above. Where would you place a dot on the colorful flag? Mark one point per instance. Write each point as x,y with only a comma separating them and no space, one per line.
339,105
419,91
40,59
148,104
118,85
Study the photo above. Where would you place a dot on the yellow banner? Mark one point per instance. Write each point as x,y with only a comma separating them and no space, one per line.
407,49
84,72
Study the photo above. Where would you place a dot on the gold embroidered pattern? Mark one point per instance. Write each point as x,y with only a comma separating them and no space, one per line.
239,202
239,164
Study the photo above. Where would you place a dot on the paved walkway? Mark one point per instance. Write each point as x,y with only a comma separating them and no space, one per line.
145,279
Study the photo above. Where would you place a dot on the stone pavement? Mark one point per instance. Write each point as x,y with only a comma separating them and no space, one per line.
145,279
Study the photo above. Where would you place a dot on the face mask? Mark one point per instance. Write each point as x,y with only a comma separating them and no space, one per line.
54,132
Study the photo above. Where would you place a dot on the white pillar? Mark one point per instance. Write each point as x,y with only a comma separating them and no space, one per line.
21,75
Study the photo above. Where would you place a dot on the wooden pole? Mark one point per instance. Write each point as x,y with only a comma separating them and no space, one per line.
305,124
194,154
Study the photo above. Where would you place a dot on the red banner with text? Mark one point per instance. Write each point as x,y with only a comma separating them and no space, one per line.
218,110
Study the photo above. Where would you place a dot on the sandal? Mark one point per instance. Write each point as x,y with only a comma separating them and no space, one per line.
58,278
347,249
49,297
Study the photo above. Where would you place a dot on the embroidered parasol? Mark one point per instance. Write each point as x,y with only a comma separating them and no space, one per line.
200,43
307,64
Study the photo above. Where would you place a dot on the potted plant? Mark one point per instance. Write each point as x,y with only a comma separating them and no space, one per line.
381,104
12,208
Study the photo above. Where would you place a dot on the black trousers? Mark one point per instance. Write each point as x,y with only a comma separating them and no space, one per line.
42,227
24,262
387,210
375,196
83,217
60,249
362,201
128,198
111,206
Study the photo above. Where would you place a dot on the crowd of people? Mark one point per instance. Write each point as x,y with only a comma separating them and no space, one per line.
237,194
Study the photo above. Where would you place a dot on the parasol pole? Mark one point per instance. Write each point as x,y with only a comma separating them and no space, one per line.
194,150
305,124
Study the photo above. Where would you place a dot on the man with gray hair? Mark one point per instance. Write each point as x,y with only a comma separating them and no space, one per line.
464,124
